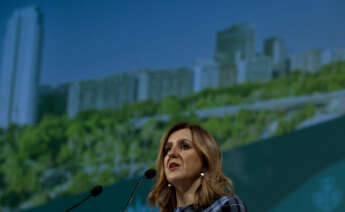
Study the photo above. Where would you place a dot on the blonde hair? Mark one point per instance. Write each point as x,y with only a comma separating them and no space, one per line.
213,185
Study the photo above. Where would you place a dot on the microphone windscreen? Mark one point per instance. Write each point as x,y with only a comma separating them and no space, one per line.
150,173
96,190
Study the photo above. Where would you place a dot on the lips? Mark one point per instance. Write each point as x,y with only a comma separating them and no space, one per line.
173,165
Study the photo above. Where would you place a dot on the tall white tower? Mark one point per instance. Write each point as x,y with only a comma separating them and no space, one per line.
20,68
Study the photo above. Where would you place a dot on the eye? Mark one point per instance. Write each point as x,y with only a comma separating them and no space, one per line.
185,146
167,149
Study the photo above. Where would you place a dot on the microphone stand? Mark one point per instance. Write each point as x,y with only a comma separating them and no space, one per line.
133,192
79,203
95,191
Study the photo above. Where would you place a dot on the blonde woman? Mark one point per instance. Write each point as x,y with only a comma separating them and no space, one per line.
189,174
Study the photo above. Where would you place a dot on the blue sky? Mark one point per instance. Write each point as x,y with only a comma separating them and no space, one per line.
90,39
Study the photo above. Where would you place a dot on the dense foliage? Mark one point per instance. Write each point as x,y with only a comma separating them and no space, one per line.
62,156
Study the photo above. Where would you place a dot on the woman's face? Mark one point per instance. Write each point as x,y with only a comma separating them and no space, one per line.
182,162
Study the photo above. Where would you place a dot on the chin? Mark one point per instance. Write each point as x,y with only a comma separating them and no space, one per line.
174,177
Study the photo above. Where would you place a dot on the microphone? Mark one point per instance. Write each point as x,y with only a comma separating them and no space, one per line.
150,173
95,191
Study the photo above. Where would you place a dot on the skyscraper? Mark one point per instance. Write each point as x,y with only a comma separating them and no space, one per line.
236,40
206,74
275,48
20,69
239,37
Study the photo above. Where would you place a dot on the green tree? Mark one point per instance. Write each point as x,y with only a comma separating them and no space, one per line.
81,182
170,105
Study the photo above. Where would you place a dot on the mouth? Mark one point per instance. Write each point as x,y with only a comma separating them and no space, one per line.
173,166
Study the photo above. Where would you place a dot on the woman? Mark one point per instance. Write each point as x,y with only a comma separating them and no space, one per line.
189,173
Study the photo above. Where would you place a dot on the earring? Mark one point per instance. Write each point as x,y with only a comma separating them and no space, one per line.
169,185
202,174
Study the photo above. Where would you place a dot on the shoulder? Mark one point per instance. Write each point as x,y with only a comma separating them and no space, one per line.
227,204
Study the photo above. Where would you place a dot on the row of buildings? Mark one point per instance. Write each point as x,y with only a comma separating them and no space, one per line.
235,61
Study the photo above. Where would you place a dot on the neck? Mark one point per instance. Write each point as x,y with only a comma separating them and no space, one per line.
185,193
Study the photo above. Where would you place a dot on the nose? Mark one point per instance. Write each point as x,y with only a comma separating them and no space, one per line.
172,152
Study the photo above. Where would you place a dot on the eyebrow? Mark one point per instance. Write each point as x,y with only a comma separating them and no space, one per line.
182,139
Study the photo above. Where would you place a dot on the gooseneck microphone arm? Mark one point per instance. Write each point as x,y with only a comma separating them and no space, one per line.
150,173
94,192
79,203
133,192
